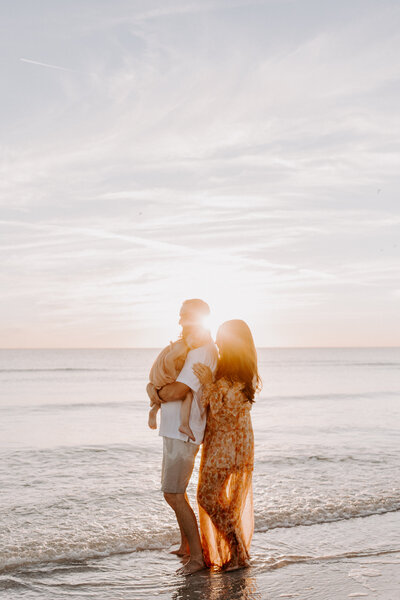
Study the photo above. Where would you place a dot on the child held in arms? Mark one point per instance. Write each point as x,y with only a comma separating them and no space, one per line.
171,359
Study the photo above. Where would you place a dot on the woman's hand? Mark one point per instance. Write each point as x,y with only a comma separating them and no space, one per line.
152,393
203,373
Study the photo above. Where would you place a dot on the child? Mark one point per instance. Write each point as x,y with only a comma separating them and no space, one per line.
166,369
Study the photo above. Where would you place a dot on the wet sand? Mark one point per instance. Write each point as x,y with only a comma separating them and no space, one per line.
319,562
355,558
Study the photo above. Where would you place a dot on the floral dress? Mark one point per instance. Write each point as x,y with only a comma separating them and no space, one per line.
225,479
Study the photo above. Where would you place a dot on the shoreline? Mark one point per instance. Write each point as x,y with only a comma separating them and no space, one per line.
351,558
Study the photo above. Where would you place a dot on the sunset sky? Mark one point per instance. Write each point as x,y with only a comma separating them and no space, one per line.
247,153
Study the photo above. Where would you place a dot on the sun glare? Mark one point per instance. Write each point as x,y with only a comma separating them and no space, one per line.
224,307
226,290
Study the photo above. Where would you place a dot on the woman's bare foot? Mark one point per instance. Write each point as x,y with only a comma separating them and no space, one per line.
187,431
192,566
233,565
152,419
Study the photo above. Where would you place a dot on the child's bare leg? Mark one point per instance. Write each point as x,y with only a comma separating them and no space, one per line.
153,416
185,416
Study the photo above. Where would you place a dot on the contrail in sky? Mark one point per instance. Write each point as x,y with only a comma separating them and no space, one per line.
35,62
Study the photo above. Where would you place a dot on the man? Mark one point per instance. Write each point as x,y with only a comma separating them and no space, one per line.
179,452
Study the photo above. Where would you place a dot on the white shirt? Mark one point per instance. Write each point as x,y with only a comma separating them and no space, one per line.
171,411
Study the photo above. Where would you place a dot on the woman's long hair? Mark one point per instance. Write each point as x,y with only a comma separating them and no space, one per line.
238,356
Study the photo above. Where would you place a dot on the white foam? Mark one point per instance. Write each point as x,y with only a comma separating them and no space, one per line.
78,547
324,510
94,541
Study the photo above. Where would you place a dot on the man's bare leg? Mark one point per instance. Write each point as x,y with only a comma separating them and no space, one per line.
185,416
188,524
183,549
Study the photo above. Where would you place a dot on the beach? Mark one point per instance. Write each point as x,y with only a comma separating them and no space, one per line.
82,515
317,562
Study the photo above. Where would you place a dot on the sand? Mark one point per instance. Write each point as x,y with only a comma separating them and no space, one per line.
321,562
355,558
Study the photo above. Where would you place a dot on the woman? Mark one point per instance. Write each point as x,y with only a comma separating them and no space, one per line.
225,478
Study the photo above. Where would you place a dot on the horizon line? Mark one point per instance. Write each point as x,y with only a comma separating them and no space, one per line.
158,347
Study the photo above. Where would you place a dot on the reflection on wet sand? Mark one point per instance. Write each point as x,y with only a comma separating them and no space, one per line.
238,585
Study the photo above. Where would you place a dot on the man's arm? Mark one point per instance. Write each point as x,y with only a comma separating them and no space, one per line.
173,391
152,394
186,379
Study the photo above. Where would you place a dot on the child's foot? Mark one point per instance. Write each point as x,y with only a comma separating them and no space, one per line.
187,431
152,420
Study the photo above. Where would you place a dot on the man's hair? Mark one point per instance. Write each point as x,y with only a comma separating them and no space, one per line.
198,308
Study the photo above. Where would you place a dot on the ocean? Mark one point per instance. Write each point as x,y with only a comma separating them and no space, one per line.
82,515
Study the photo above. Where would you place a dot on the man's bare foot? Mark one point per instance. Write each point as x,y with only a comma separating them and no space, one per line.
192,566
187,431
152,420
181,552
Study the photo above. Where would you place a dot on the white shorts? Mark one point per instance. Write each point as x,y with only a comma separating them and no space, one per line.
177,465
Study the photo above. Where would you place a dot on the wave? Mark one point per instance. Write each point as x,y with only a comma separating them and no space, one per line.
317,511
56,406
60,369
372,364
331,396
298,459
309,363
72,547
327,363
97,541
71,406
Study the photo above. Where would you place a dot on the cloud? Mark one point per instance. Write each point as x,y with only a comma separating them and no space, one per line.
228,150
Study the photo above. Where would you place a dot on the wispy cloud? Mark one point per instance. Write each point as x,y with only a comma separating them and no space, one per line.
231,150
196,7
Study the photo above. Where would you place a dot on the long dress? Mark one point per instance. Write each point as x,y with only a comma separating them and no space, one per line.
224,492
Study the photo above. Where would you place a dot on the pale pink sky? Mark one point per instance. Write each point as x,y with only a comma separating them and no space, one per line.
243,152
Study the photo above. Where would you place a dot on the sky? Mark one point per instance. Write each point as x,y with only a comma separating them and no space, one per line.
242,152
